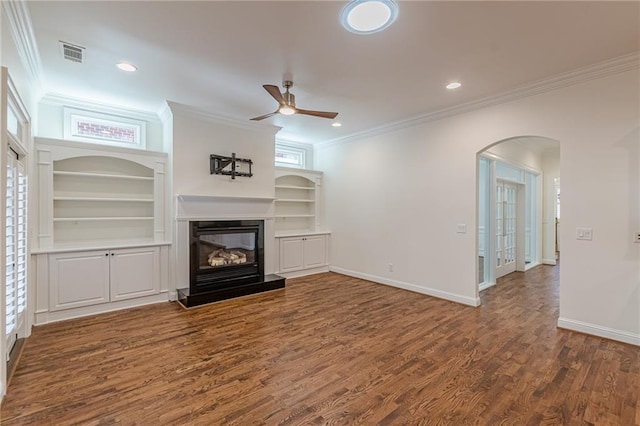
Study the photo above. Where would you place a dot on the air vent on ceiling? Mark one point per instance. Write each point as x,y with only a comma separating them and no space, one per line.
72,52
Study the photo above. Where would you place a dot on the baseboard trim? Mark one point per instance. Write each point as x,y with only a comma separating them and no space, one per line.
485,285
452,297
600,331
46,317
551,262
304,272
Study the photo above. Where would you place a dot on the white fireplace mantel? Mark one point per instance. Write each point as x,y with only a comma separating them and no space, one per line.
217,207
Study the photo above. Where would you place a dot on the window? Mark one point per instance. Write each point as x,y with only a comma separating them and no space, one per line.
104,128
16,249
297,156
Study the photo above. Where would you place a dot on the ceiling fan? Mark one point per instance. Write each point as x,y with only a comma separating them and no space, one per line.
287,103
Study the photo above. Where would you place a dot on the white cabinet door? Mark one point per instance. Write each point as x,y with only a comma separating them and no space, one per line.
297,253
291,254
314,251
134,272
78,279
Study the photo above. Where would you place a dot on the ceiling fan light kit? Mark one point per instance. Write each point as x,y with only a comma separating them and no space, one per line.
287,103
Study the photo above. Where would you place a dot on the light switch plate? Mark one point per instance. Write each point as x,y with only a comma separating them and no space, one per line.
584,234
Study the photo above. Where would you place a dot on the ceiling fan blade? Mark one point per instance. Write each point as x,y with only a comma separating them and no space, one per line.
262,117
323,114
275,92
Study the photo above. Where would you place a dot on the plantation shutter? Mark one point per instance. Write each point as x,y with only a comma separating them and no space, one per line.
11,300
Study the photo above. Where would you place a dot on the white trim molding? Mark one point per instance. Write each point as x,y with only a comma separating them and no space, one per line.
551,262
452,297
590,72
57,99
177,108
485,285
599,331
24,39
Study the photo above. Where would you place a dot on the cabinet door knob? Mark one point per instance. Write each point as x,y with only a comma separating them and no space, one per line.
111,254
106,254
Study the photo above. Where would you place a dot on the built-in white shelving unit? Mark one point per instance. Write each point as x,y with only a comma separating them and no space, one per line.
302,245
102,229
297,199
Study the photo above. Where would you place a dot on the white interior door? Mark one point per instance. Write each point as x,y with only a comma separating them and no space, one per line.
506,221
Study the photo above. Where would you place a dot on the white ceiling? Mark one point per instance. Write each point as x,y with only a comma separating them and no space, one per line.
216,55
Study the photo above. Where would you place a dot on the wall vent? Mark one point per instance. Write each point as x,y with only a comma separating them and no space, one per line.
72,52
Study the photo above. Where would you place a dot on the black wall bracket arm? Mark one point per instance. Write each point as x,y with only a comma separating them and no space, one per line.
230,166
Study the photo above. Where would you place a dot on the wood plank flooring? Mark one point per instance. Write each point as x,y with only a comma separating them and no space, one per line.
329,349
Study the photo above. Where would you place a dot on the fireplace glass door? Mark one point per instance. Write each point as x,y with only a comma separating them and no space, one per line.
225,250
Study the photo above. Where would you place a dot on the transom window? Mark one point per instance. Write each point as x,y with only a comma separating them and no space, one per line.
291,156
95,127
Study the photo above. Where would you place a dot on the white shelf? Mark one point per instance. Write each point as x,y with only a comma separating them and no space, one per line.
294,200
297,200
101,175
89,219
309,188
137,200
101,245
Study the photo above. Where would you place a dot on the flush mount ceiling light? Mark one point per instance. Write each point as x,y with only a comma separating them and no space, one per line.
453,85
126,67
368,16
336,124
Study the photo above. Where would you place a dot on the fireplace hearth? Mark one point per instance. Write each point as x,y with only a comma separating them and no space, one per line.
226,260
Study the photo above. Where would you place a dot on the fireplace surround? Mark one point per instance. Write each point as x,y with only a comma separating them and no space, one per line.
226,259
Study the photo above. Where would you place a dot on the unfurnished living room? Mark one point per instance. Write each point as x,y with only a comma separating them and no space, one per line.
320,212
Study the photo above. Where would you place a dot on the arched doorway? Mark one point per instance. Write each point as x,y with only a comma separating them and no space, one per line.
517,188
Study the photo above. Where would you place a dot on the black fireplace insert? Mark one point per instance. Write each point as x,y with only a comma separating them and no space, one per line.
225,253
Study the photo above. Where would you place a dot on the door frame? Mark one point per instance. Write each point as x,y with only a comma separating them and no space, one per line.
490,242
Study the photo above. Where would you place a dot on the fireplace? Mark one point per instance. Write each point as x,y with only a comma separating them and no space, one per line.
224,252
226,259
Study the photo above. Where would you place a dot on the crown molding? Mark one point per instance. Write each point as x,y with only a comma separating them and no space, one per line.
57,99
220,119
24,38
165,113
293,142
591,72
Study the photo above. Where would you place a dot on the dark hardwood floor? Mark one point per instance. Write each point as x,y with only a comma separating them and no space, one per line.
329,349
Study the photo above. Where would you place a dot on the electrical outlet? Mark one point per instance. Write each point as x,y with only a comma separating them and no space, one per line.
462,228
391,267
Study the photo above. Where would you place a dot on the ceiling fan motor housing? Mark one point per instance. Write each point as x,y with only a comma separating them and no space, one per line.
289,99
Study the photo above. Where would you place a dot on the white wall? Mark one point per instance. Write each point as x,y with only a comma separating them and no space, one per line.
21,77
397,198
195,138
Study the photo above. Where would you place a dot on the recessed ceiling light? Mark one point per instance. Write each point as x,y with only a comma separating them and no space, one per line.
336,124
126,67
368,16
453,85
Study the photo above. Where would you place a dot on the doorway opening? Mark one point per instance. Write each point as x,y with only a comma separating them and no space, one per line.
518,189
